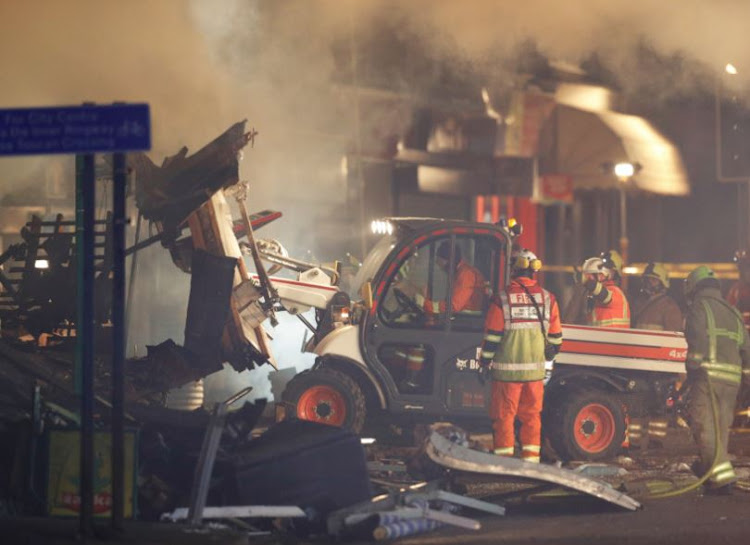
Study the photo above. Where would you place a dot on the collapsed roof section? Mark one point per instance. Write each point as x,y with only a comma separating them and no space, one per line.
170,193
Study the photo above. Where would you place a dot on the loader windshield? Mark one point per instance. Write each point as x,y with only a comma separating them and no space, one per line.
372,264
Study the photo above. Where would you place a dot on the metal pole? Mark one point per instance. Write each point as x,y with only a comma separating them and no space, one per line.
205,466
743,201
624,231
85,205
131,280
119,181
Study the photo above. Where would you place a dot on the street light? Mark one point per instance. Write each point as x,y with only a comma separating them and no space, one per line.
735,170
624,172
730,139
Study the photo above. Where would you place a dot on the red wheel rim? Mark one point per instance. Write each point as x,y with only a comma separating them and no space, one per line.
322,404
594,428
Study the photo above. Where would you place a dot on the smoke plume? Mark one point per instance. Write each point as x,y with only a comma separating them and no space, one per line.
204,64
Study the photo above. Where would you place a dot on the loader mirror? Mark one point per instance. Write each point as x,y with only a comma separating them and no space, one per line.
366,293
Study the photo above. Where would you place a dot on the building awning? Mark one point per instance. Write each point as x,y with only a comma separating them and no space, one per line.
577,142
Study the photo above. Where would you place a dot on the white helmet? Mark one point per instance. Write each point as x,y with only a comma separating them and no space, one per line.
525,259
595,265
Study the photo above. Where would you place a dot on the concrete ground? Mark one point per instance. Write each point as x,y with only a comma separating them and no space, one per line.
689,519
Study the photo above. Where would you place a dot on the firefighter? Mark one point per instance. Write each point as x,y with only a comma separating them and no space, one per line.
653,309
607,305
717,361
574,311
522,330
739,293
468,296
469,286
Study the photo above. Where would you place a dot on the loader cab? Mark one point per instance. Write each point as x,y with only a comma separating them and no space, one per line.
432,282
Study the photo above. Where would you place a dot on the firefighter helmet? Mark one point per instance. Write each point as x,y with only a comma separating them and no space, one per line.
612,260
596,265
698,275
525,260
658,271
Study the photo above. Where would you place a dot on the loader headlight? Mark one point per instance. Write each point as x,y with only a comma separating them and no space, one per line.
381,227
341,314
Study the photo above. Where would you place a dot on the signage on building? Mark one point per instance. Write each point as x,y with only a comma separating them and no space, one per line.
555,188
75,129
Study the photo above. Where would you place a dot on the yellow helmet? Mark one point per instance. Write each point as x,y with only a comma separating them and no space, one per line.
658,271
696,276
612,260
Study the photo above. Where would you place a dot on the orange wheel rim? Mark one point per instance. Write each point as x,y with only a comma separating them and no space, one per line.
322,404
594,428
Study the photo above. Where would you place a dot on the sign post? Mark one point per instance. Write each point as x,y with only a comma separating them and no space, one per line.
84,131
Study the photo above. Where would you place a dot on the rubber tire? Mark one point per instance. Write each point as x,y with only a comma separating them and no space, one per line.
563,437
347,387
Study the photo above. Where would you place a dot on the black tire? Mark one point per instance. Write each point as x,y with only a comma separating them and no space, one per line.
587,425
326,396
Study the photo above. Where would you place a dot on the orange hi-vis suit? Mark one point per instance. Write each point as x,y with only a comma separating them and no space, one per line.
610,306
611,309
514,347
469,292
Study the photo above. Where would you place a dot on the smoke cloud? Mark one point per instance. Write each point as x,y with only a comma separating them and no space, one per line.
204,64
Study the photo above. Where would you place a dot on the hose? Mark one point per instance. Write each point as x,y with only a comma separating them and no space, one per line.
717,439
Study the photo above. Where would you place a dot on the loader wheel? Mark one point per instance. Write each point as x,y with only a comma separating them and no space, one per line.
591,426
328,397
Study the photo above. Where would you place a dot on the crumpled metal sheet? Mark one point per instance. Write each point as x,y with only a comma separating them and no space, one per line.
170,193
454,456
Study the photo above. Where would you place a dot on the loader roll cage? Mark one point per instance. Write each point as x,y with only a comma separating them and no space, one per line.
419,229
372,264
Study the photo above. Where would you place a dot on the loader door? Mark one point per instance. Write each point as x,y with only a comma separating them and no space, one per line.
430,319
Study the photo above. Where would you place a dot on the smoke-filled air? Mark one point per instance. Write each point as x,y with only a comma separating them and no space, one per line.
285,66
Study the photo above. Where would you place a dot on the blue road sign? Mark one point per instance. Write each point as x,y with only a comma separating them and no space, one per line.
75,129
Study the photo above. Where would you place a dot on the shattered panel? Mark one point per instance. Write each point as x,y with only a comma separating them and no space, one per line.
170,193
212,230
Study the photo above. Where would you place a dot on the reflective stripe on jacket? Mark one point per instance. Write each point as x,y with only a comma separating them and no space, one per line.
610,308
717,340
513,341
